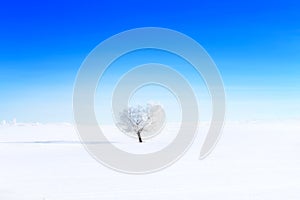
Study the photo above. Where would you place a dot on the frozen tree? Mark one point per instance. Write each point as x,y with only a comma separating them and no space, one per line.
140,120
3,122
14,121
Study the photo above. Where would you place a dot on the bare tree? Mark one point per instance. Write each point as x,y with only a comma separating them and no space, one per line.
137,120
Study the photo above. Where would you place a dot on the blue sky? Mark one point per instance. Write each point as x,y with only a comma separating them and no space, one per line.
255,44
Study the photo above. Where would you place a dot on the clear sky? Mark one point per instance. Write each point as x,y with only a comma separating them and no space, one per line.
255,44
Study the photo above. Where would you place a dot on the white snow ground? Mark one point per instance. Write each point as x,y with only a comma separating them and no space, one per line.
252,161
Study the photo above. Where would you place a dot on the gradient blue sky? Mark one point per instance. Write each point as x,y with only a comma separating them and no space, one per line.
255,44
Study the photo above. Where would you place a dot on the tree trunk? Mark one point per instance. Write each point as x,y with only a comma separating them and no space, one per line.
139,135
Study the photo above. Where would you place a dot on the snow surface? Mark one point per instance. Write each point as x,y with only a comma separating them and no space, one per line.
252,161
